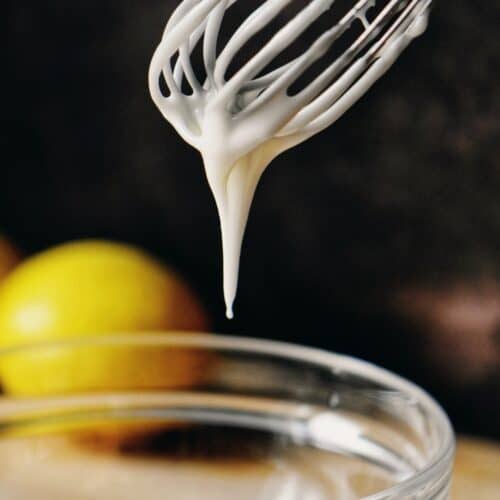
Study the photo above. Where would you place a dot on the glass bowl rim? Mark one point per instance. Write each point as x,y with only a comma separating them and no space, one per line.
295,352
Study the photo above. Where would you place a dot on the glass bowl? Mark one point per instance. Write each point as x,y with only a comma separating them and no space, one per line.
195,416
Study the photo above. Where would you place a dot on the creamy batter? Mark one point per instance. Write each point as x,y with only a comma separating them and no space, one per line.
241,124
56,469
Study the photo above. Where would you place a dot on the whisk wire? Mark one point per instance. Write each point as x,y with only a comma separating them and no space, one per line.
250,89
317,50
254,23
376,66
321,93
279,42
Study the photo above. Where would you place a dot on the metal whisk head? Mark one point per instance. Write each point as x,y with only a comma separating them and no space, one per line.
240,121
250,91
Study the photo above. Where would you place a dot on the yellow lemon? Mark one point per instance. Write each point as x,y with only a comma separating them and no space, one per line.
9,257
95,288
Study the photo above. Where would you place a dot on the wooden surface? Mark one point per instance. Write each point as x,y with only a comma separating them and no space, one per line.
477,470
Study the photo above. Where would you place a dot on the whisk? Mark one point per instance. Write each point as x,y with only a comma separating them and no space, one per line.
242,122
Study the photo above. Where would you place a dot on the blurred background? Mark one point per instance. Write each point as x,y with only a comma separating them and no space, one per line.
379,238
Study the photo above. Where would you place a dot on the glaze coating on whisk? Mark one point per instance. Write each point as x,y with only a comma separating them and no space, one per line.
242,122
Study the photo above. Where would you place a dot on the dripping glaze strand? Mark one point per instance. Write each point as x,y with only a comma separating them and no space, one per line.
239,125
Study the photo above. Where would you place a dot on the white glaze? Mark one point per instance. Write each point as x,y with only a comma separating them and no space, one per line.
240,125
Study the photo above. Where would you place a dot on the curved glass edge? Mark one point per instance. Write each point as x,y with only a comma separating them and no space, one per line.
433,479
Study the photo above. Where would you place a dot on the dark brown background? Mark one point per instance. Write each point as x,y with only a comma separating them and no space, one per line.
398,198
